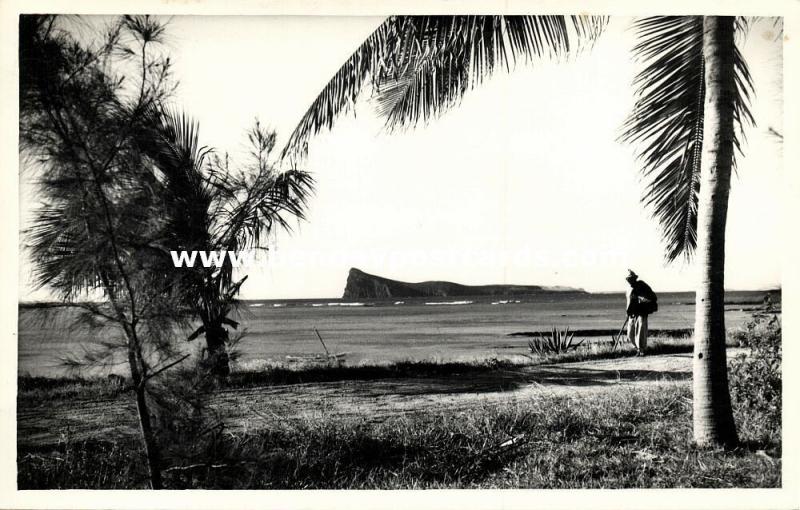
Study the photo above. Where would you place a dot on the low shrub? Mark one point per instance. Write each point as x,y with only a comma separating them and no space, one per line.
755,376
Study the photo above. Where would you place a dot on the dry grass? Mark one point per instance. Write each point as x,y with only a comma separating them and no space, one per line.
628,439
612,439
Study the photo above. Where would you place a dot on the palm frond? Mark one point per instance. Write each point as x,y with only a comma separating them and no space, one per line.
172,142
420,66
424,89
340,93
666,125
267,201
743,25
457,53
207,206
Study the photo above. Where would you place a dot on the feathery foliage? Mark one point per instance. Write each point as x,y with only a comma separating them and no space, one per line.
97,222
97,229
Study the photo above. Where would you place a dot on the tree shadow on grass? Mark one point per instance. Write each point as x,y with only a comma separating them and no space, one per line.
511,380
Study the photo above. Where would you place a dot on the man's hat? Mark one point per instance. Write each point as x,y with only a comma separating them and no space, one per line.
631,275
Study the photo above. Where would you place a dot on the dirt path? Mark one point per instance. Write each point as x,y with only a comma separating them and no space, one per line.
371,400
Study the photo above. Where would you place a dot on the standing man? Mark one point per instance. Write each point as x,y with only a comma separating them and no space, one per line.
641,302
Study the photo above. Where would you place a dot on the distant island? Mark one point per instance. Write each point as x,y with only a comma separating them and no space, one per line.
361,285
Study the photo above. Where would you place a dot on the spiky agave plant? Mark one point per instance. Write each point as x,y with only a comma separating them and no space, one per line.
557,341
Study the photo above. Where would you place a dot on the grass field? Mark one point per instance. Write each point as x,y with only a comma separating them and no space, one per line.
632,439
614,436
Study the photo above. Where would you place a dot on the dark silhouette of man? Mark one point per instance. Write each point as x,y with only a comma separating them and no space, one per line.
641,301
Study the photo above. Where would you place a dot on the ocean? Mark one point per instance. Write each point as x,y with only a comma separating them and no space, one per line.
376,331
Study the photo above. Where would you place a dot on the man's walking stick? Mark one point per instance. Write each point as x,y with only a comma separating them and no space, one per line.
633,341
623,325
618,337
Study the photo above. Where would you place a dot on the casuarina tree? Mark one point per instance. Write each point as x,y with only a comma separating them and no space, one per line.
94,237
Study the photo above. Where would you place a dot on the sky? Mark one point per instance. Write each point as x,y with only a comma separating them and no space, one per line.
523,183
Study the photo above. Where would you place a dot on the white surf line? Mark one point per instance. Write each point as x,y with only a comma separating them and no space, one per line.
450,303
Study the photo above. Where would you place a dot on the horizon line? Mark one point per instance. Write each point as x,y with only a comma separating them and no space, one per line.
769,289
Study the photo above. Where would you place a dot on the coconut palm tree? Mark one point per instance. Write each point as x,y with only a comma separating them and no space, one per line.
209,207
692,98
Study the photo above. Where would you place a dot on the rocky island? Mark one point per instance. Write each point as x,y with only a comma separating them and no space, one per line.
361,285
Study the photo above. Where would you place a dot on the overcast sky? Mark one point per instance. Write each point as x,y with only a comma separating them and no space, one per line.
523,183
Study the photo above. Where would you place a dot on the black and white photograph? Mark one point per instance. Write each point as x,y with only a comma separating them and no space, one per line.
415,251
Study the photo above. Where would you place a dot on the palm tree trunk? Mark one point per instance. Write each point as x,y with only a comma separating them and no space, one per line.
713,417
218,361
